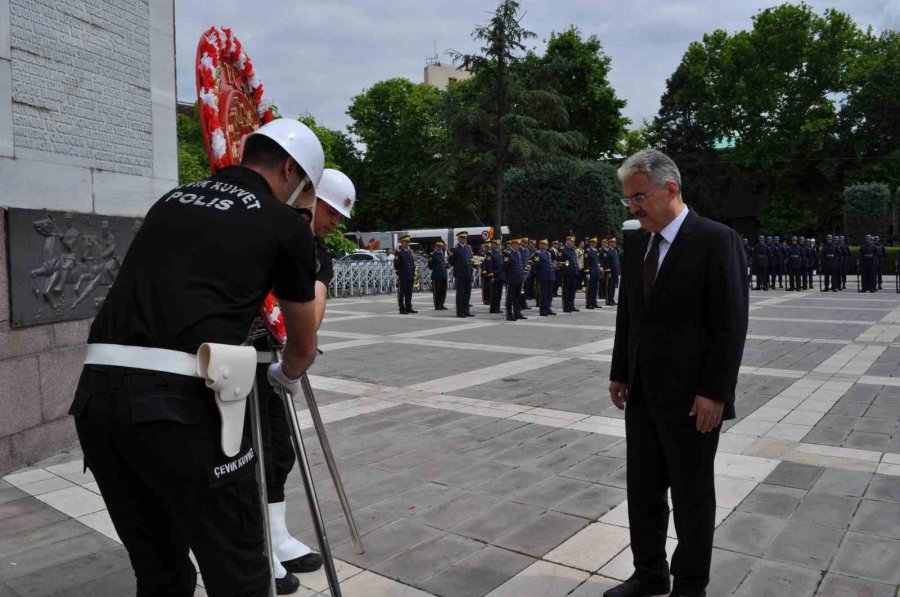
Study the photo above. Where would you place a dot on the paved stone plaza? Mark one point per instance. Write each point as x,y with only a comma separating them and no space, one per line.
484,458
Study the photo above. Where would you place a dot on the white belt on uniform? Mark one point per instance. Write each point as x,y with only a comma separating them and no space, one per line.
228,370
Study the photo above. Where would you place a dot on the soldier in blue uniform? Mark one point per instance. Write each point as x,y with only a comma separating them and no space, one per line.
594,273
613,271
813,263
515,277
867,264
556,253
484,251
569,271
795,264
405,267
530,282
880,256
438,264
545,267
523,259
845,250
499,276
461,261
828,266
770,267
748,251
778,251
761,263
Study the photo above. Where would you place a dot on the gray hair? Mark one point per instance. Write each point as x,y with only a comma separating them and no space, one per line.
655,165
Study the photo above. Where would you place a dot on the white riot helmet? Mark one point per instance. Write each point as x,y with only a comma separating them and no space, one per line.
336,189
301,143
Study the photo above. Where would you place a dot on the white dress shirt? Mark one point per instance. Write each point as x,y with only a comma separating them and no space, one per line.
668,236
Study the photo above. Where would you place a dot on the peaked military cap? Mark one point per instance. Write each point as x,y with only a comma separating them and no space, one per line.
404,237
463,233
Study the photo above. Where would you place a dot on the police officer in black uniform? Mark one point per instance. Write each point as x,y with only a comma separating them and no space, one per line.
613,271
880,256
867,264
845,250
405,267
829,265
778,251
485,253
795,264
461,261
748,252
197,272
438,264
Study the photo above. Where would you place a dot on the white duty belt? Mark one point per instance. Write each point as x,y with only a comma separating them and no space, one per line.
228,370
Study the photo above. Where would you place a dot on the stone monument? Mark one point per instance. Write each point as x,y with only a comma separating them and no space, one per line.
87,132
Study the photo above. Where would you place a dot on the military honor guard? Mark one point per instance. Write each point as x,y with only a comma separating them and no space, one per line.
515,277
460,260
484,253
794,264
569,271
880,257
867,265
556,253
613,271
545,273
498,281
761,263
845,263
828,266
405,268
438,264
523,259
593,272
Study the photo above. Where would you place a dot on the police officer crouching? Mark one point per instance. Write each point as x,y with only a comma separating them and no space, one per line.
160,443
438,264
336,195
405,267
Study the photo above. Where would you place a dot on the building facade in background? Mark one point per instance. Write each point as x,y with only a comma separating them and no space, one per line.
440,76
87,132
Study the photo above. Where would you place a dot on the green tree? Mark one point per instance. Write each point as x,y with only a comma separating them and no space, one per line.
398,123
634,140
866,209
579,197
501,117
578,69
193,163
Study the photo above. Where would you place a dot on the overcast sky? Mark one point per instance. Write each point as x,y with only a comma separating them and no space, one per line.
313,56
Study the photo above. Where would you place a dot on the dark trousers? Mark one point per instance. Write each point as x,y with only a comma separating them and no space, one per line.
439,292
794,279
545,293
612,282
152,441
829,278
568,293
593,287
485,290
665,450
879,274
278,450
404,295
762,280
772,273
844,278
530,284
523,303
868,278
496,294
513,304
809,277
779,273
463,290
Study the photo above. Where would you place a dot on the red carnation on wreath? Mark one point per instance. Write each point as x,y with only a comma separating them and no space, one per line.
212,50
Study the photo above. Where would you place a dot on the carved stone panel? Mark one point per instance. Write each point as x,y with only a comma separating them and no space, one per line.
61,264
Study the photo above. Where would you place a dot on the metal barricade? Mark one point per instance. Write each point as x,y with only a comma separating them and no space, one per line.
361,278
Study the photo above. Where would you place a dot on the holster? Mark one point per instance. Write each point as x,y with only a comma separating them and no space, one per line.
229,371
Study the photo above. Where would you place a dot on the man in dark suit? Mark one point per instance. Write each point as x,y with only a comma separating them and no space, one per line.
680,332
461,262
438,263
405,267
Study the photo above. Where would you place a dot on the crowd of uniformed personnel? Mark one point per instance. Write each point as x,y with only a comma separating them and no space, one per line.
526,269
791,264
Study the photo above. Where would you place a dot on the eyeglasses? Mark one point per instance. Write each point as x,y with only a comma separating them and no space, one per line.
638,198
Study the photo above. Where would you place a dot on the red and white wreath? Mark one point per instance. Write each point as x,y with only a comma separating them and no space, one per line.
216,46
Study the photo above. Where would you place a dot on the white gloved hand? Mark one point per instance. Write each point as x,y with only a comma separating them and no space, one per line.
277,377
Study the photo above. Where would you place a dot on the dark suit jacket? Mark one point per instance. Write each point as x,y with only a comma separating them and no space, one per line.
689,340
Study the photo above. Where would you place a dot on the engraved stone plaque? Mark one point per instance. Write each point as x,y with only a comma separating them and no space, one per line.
61,264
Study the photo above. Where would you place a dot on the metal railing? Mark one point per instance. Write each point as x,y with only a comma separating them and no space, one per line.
360,278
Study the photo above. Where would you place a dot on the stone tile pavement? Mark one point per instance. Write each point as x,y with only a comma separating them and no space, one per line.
484,458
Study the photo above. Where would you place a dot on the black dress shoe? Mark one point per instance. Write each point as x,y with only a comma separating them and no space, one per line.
636,587
552,313
575,310
403,312
462,315
287,585
521,317
686,593
308,563
470,315
544,314
412,311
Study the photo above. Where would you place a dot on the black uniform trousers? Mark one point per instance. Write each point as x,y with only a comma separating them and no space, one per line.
545,296
530,284
513,304
868,276
152,441
762,281
404,295
612,282
794,277
278,450
664,450
485,290
463,290
568,293
439,292
829,278
496,294
593,288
